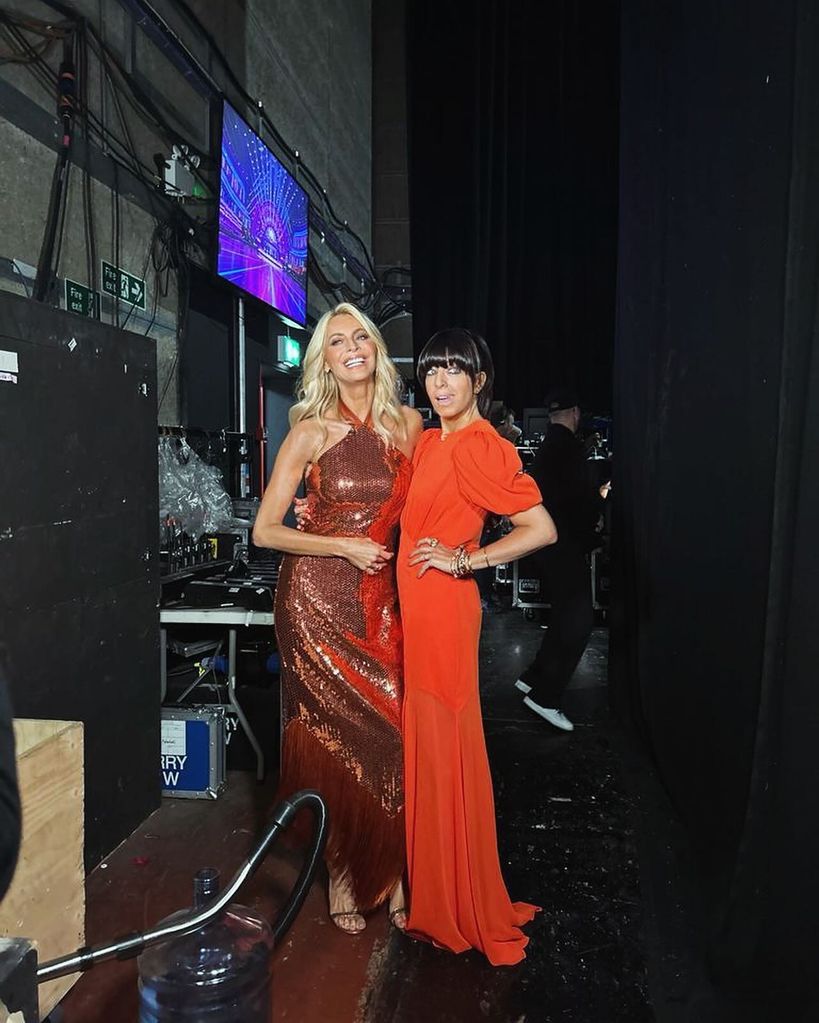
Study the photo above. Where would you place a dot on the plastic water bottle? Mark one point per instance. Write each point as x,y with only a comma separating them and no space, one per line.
219,974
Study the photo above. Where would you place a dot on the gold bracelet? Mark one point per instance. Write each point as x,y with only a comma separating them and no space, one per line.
460,565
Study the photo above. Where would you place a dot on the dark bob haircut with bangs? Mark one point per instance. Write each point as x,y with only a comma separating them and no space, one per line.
459,347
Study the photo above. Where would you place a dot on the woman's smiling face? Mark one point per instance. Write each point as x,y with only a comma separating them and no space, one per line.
349,352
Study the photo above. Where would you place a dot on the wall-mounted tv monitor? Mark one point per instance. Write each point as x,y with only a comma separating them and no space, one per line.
263,220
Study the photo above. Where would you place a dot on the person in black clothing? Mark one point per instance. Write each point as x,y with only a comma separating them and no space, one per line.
9,796
560,470
505,425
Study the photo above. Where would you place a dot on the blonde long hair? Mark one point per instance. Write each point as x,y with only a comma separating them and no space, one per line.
317,392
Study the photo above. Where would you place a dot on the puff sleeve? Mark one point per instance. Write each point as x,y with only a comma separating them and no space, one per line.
490,474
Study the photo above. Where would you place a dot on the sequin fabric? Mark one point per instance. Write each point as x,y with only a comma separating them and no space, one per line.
339,636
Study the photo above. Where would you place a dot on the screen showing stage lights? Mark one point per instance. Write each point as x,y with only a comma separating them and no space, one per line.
262,222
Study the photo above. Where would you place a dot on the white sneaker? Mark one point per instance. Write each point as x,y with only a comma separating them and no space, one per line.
551,714
520,684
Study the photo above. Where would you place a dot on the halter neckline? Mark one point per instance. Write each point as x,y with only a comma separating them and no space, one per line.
352,418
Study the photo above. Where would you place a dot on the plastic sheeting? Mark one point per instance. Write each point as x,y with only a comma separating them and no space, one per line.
191,491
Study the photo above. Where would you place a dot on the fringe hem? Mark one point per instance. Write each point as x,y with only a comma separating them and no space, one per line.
365,846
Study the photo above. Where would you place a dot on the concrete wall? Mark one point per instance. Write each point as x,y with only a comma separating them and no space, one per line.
391,236
391,232
309,62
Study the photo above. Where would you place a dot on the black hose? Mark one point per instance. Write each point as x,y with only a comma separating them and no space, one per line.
130,945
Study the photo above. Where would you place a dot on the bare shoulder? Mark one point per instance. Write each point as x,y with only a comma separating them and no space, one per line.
413,429
305,436
412,420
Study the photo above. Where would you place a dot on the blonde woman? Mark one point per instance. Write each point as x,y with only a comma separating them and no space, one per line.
337,621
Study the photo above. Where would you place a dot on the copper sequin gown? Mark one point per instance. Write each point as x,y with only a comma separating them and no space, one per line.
339,635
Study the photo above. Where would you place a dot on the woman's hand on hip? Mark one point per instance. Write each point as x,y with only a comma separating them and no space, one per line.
364,553
431,553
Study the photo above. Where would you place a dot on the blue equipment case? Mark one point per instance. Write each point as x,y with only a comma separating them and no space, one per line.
192,760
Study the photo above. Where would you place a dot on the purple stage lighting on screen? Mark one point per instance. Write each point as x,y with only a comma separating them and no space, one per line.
262,222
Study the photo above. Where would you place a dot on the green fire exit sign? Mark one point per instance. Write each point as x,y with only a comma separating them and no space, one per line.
289,351
81,300
119,282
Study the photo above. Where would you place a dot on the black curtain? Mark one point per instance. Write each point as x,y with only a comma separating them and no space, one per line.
513,185
715,640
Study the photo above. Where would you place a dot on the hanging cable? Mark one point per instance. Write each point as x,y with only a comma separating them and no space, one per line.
66,98
373,295
153,118
304,169
89,227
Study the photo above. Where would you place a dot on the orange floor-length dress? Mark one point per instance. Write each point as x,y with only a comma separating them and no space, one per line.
458,898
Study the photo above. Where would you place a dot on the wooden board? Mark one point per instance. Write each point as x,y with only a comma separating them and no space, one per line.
46,901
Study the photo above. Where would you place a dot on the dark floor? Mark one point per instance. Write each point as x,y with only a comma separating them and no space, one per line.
319,972
566,843
566,824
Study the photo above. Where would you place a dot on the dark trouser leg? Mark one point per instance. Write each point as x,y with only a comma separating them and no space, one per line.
570,625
